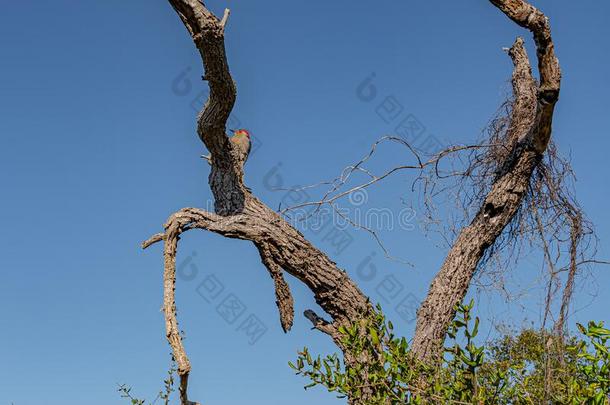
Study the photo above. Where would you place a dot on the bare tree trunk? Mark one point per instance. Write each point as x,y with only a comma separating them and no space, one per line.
531,128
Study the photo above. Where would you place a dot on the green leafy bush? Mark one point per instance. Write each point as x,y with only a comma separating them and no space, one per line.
529,367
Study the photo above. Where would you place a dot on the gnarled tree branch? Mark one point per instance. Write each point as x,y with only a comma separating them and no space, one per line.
281,247
283,296
207,31
239,214
531,131
173,335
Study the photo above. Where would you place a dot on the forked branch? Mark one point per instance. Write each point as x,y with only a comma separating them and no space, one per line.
281,248
530,130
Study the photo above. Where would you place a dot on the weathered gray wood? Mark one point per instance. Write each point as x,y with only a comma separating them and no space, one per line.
531,127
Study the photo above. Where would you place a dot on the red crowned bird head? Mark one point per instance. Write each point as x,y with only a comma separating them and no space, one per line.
241,132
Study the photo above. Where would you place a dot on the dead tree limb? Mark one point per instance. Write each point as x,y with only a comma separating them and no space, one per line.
240,215
281,247
169,309
207,31
531,130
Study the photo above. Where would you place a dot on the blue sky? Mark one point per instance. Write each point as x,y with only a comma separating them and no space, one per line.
99,147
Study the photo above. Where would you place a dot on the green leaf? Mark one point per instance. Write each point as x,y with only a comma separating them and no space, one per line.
374,336
475,329
313,384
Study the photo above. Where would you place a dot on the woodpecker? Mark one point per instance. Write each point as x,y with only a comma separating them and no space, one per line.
241,142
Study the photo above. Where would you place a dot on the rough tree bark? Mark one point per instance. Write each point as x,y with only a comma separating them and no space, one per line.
531,127
238,214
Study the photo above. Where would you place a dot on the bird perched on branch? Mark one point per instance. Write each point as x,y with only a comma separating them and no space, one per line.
241,142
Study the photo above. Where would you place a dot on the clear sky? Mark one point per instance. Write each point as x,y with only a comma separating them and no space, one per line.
97,104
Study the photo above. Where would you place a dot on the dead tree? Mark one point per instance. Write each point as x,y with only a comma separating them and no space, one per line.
240,215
